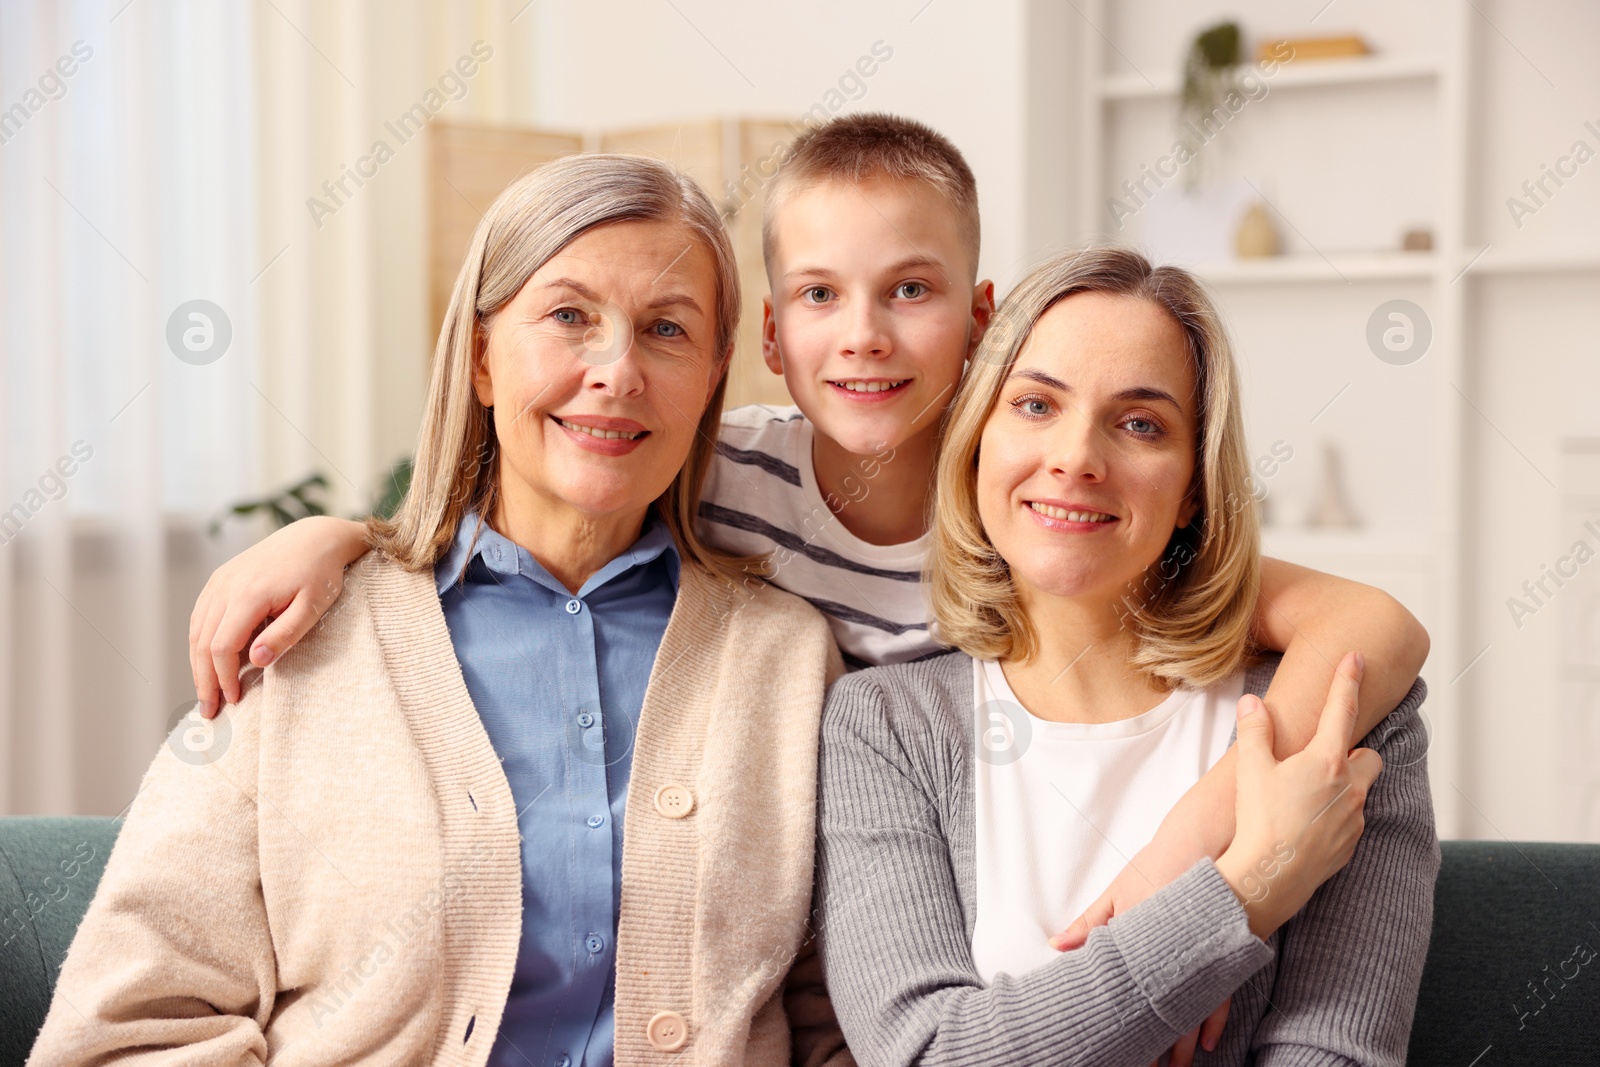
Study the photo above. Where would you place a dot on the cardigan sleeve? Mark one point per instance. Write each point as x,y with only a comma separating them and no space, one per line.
1350,962
893,938
173,962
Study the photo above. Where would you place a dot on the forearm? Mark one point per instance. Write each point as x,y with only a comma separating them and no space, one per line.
1314,619
1301,685
1206,813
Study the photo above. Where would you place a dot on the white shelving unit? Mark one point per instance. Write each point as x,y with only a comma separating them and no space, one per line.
1427,569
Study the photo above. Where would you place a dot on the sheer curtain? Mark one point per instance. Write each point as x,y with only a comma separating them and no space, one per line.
127,166
180,330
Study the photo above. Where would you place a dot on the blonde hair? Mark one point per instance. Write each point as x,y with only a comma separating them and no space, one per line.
1192,620
539,214
853,148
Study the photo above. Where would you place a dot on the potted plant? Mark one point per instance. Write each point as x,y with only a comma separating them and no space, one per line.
1210,73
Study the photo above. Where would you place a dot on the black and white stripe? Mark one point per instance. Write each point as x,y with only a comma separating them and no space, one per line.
761,497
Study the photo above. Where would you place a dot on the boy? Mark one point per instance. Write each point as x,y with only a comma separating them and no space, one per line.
871,248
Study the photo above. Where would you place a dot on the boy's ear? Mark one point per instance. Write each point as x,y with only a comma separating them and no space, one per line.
769,338
982,313
482,383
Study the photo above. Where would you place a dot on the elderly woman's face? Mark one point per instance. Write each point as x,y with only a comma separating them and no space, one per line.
1086,458
601,366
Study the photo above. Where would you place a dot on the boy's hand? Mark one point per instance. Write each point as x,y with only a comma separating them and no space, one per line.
292,577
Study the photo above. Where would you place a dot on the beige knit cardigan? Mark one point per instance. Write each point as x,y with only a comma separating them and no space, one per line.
337,878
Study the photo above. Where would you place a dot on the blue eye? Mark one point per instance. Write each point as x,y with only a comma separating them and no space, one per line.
668,329
1149,429
569,316
1031,407
917,289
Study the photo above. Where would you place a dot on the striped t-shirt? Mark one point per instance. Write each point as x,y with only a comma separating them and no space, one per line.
761,496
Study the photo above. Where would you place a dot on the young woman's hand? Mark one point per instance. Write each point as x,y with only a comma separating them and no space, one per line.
1299,820
292,578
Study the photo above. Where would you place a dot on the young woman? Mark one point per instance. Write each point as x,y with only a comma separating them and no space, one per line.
410,847
1095,558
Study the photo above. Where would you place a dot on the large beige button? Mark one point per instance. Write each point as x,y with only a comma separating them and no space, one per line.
667,1031
674,801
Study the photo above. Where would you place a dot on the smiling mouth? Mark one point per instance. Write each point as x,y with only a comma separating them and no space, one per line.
604,435
1062,514
856,385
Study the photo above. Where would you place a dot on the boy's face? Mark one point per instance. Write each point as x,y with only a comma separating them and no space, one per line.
873,311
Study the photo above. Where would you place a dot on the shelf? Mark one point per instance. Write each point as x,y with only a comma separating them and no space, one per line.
1339,267
1369,70
1510,261
1388,266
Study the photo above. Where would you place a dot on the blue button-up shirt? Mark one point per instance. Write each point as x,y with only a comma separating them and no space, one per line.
558,680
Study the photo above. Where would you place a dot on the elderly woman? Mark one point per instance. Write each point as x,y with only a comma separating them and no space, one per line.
437,877
1095,560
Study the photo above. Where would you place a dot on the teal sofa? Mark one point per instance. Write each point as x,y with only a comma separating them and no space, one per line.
1512,976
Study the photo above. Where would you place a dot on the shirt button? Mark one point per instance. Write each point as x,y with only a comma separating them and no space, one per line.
563,1060
593,943
585,719
674,801
597,820
574,606
667,1031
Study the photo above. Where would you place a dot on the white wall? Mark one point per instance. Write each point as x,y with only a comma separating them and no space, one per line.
1537,346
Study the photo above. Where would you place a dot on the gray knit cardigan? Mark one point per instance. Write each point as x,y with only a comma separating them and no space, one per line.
896,903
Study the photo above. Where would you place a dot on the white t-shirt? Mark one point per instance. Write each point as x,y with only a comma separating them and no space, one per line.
761,496
1062,807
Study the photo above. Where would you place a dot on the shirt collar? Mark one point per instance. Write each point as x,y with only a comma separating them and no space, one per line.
501,555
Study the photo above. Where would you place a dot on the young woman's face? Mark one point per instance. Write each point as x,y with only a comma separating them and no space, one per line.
601,366
1087,456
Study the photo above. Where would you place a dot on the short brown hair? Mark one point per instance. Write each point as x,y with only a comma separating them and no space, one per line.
539,214
1193,617
853,148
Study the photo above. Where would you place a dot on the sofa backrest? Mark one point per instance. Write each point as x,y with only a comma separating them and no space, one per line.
1513,971
49,868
